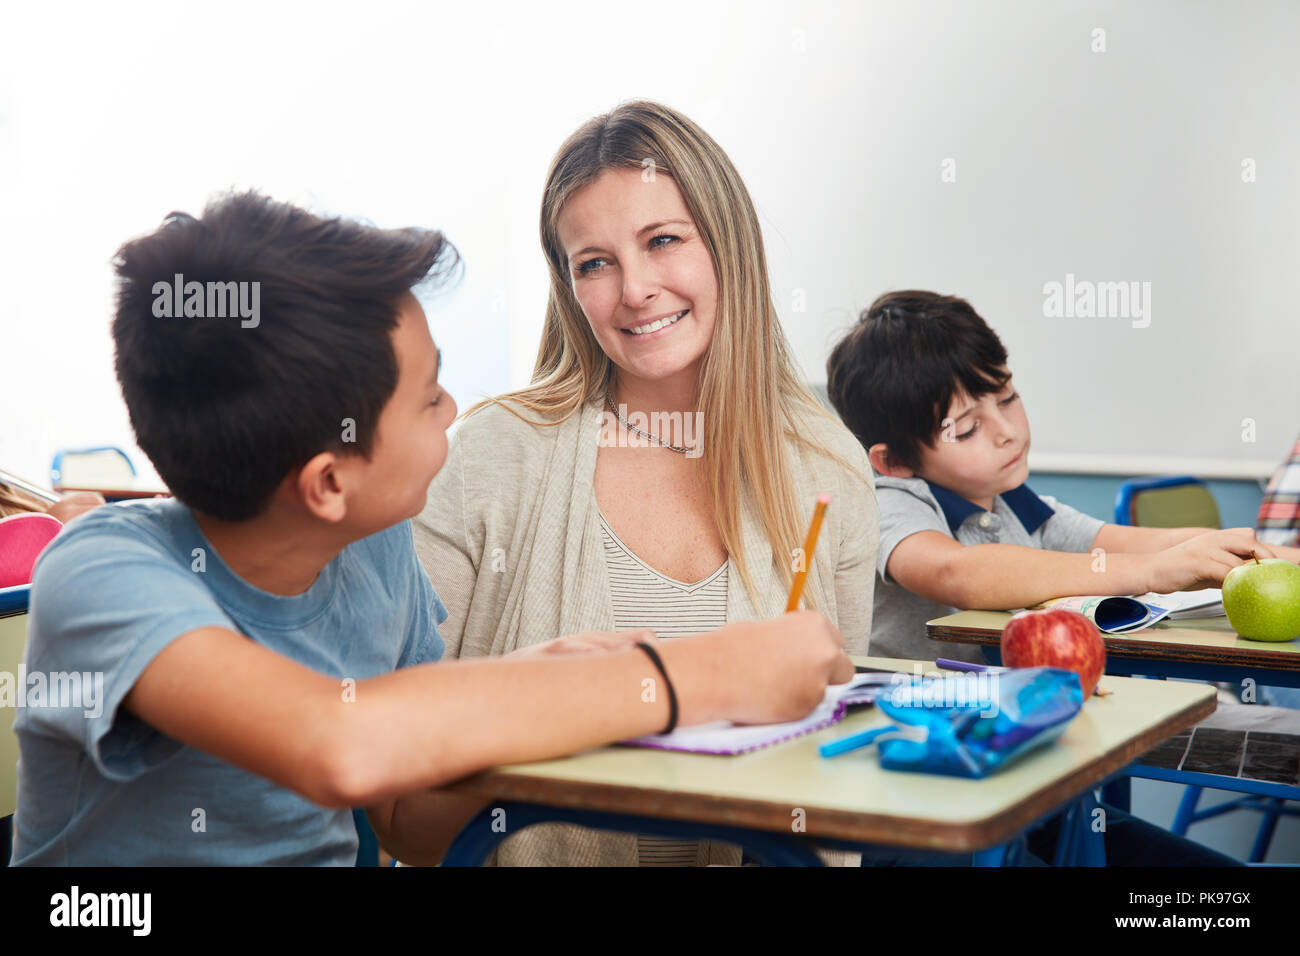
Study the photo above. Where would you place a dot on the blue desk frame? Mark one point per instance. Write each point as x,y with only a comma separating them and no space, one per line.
1078,845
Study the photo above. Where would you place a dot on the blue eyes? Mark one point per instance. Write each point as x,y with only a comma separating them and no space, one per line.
591,266
1006,401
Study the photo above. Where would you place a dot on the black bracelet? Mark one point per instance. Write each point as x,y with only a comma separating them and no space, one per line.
672,694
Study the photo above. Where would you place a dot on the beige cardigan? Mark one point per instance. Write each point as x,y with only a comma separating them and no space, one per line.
510,538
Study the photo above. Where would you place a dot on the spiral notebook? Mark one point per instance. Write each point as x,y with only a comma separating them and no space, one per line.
726,738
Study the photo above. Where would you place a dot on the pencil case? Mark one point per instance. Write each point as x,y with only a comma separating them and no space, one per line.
976,724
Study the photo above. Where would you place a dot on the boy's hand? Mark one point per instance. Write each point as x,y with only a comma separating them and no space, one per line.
1203,561
778,670
1286,553
588,642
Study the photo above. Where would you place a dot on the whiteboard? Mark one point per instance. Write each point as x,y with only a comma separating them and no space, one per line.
1115,165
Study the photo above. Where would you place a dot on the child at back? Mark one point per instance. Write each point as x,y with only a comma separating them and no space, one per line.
924,384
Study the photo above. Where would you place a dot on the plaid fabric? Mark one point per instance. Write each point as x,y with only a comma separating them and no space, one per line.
1279,513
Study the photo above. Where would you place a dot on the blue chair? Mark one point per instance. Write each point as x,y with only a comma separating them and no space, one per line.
1180,501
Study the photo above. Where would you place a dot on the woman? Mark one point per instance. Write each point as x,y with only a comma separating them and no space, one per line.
661,468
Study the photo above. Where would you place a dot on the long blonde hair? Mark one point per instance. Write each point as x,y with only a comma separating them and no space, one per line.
749,389
15,501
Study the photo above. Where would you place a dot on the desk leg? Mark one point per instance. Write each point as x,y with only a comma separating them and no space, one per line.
1007,854
481,836
1118,792
1078,843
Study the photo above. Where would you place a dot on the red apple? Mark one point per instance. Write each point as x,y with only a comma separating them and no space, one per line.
1055,638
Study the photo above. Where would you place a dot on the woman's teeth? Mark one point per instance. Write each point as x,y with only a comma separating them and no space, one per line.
658,324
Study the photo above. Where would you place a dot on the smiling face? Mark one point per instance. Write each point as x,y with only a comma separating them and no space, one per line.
984,450
642,274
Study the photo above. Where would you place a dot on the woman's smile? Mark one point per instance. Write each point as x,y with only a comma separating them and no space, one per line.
655,328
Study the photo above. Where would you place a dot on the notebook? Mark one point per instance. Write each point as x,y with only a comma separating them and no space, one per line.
1124,615
1207,602
725,738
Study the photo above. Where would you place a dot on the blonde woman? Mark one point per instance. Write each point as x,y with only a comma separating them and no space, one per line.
660,470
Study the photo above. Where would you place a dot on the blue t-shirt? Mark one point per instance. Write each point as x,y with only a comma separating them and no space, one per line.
98,786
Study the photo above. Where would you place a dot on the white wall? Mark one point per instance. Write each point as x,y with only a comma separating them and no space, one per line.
1122,165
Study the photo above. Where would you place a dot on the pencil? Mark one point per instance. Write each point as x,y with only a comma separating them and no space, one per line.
810,543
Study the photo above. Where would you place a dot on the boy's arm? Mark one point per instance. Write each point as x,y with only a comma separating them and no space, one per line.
1114,537
1118,537
417,828
423,726
1002,576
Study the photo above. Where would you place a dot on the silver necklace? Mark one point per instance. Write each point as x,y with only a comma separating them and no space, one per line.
609,397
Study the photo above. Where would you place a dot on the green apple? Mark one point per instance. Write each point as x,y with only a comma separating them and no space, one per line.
1262,599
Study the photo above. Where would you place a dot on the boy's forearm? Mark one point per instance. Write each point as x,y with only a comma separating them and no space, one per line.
424,726
1005,576
1134,540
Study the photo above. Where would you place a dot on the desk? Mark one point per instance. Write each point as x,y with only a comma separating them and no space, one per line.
847,802
1194,649
1197,649
118,490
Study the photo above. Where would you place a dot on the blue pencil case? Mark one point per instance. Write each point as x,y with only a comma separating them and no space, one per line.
976,724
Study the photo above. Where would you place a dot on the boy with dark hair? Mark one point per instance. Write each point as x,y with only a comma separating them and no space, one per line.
923,382
263,642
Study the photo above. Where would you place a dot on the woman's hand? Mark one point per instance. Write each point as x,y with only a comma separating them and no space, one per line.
590,642
69,506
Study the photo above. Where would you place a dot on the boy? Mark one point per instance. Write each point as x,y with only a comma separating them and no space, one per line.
923,382
264,639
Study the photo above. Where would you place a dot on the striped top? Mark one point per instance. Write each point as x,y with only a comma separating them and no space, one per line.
643,597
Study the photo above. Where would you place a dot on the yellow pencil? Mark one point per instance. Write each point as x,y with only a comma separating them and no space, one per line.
796,589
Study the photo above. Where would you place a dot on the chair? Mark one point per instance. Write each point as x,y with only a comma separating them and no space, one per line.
1180,501
105,466
13,638
22,539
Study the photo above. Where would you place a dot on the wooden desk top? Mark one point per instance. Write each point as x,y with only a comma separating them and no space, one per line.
1208,640
118,489
851,797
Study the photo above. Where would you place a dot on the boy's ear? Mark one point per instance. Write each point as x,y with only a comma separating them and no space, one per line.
881,461
320,490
